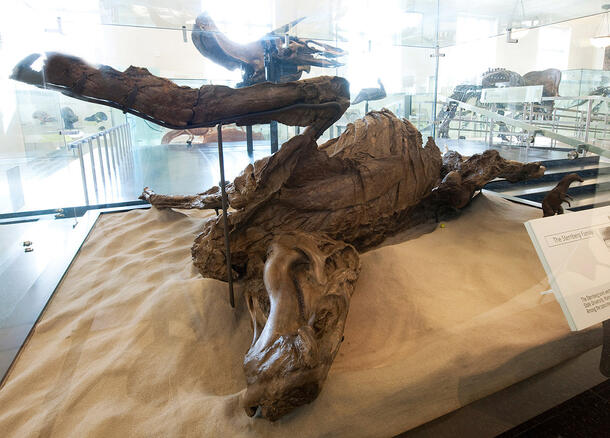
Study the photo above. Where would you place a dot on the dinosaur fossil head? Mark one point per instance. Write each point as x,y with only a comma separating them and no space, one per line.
298,313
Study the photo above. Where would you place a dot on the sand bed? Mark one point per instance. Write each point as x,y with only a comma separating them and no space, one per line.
136,343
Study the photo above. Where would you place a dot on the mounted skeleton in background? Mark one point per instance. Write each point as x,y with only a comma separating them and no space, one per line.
549,79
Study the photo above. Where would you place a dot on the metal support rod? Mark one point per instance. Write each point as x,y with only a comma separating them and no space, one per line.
588,122
115,159
127,145
99,156
93,172
120,144
459,124
225,219
130,143
554,120
273,136
604,363
491,133
117,141
437,55
107,156
249,142
82,172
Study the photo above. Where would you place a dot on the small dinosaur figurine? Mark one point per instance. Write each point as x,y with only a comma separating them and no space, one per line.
551,204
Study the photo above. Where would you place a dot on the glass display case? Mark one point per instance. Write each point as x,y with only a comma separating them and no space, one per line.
366,264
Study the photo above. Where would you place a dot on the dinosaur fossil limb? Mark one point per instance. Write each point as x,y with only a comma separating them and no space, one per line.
464,176
551,204
311,102
207,200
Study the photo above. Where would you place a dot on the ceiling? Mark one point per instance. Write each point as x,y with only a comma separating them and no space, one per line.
400,22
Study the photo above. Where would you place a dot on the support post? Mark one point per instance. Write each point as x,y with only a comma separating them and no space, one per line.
107,157
604,363
273,136
82,172
491,132
225,219
588,122
93,172
99,155
249,142
115,152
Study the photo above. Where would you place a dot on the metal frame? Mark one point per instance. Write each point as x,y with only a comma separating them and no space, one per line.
117,144
581,146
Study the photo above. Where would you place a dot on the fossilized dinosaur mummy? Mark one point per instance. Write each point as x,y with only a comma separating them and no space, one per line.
300,216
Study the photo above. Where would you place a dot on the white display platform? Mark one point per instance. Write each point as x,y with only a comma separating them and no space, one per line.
136,343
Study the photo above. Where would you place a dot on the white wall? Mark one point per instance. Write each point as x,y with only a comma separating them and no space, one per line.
522,57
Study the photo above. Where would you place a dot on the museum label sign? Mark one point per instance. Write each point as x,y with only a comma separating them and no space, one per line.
575,252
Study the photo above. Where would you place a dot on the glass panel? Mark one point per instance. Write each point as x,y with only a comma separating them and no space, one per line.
538,92
559,58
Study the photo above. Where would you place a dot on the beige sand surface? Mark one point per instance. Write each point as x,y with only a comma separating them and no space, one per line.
136,343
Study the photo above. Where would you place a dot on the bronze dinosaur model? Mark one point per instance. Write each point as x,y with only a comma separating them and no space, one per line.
551,204
299,217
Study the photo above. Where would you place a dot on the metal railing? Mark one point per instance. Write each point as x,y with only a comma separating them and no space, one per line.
580,129
109,151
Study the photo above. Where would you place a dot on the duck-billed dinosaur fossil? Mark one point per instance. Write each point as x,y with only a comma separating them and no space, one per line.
301,216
